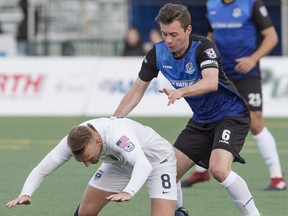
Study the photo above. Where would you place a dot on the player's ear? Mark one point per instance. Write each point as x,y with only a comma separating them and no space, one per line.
189,29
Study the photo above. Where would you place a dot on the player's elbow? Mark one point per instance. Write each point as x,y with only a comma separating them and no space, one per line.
213,86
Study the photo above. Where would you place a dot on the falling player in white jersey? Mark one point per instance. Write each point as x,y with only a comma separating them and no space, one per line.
131,154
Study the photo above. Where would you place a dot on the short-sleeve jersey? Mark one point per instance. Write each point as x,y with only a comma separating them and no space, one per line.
186,70
235,27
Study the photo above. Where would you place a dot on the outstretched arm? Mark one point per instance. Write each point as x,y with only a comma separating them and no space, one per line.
132,98
54,159
207,84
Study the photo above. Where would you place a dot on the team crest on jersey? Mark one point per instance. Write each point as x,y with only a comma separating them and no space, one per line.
237,12
211,53
98,174
189,68
125,143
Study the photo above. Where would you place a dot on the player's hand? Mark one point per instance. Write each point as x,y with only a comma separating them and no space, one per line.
24,199
245,64
173,95
120,197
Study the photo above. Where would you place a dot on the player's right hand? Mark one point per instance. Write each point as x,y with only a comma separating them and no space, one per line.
24,199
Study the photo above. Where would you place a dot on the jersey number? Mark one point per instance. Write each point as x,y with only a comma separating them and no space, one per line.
255,99
226,134
166,181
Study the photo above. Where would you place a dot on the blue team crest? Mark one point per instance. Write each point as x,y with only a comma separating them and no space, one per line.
189,68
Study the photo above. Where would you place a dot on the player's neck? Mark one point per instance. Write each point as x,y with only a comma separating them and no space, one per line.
228,1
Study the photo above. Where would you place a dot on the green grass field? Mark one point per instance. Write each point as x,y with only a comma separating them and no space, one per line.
24,141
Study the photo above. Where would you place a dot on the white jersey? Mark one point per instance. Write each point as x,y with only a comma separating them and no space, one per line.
123,139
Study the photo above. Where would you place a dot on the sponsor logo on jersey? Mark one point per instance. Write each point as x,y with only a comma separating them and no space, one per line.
167,67
180,84
125,143
224,141
226,25
211,53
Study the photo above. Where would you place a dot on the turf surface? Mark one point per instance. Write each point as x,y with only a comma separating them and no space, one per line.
24,141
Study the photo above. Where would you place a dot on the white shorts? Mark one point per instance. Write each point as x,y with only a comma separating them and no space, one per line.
161,183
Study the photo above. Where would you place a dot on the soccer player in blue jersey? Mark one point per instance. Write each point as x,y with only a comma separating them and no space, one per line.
215,134
233,25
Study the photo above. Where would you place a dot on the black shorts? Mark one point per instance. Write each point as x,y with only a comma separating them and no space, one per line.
250,88
198,140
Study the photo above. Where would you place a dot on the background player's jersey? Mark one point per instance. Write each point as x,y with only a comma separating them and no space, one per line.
202,53
235,27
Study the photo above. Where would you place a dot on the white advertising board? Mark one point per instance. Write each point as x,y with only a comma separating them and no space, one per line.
95,87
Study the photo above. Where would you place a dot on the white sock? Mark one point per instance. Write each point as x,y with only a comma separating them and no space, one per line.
267,147
179,202
199,169
241,196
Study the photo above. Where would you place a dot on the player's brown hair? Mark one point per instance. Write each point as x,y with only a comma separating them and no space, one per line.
78,139
174,12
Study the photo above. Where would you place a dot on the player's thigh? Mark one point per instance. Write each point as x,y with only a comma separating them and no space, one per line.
230,134
93,201
162,207
111,178
161,183
107,180
184,163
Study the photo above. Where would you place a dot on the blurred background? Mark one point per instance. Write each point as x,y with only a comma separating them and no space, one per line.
98,27
62,57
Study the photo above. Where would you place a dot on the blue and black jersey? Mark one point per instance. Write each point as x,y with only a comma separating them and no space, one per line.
186,70
235,26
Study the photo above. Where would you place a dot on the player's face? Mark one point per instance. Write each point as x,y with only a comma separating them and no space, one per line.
175,37
91,155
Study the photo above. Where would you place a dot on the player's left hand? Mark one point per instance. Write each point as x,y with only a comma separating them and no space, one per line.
24,199
245,64
172,94
120,197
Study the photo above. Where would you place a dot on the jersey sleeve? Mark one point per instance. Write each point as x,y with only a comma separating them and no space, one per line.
141,171
207,55
128,145
260,16
54,159
149,69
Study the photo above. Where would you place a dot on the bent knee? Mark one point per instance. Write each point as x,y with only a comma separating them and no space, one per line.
219,173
